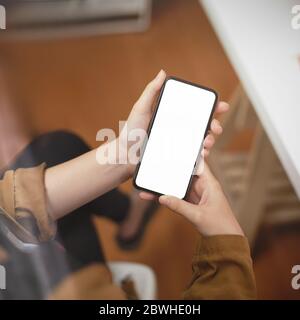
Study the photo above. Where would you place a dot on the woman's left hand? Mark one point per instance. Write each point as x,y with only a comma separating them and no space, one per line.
141,113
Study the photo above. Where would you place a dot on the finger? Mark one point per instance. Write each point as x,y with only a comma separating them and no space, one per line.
199,181
147,196
216,127
182,207
208,175
209,141
222,107
205,153
150,93
205,179
200,165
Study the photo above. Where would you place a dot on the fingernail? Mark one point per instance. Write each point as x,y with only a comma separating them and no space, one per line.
216,123
159,73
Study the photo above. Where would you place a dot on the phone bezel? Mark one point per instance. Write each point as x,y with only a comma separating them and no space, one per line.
151,125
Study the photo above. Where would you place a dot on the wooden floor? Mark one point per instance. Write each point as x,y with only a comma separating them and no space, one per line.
91,83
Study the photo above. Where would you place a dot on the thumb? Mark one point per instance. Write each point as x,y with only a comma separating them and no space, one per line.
186,209
146,100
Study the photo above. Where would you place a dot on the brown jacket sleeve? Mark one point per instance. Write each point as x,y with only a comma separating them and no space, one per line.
23,206
222,269
23,203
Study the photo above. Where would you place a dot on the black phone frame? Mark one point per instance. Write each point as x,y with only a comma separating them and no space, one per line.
151,125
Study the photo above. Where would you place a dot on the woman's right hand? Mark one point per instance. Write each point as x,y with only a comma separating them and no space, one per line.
206,207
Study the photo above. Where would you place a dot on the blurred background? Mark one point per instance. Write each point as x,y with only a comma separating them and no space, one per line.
80,65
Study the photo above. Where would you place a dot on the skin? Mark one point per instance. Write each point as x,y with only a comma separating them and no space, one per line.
207,204
206,207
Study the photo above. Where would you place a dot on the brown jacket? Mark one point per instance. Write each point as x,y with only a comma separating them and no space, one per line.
222,266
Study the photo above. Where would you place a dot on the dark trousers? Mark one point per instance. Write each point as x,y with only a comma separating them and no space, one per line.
76,230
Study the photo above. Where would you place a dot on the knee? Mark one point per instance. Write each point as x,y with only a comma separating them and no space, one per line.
64,145
65,138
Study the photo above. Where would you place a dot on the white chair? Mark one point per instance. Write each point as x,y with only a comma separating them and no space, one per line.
143,277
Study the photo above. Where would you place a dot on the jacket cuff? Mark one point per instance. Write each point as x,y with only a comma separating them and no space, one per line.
30,202
222,245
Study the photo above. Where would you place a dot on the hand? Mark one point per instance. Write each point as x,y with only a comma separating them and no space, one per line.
139,118
141,113
207,207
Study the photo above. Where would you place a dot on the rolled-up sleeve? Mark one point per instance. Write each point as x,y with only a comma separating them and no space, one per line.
23,201
222,269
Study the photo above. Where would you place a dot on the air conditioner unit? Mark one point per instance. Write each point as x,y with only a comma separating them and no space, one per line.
76,17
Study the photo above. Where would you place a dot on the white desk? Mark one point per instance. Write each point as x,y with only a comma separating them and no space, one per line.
265,52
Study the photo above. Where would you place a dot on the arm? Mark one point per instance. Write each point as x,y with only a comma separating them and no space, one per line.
222,265
77,182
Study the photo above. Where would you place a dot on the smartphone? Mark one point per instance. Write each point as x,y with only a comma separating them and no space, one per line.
176,132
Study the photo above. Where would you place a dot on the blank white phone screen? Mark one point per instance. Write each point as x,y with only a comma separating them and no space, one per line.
175,139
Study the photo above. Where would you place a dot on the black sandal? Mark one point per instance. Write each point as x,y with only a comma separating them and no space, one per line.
134,241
